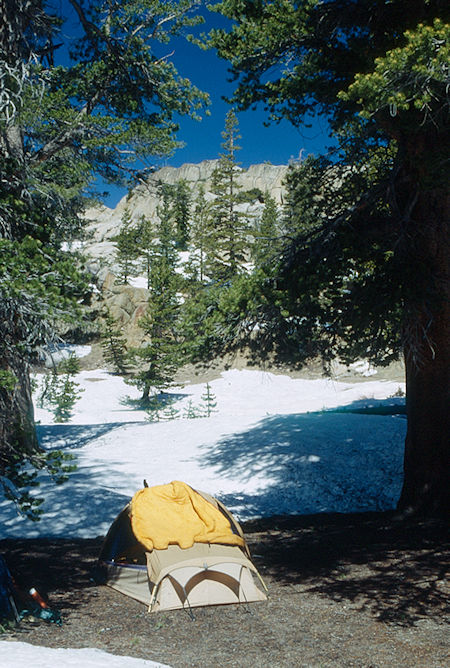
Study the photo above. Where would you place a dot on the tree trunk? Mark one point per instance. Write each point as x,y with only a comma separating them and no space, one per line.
426,488
18,438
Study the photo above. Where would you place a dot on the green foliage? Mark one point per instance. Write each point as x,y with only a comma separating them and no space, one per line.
181,209
201,239
170,413
250,196
166,228
18,478
222,318
229,226
367,272
191,412
114,344
59,391
41,284
145,240
340,281
110,106
348,268
267,234
127,251
293,58
157,361
160,407
69,365
410,77
8,380
209,399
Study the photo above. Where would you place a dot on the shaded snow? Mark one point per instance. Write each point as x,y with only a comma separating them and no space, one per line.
274,445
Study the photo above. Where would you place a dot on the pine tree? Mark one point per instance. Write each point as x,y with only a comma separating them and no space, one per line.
160,357
267,233
145,241
230,226
181,209
114,344
209,399
156,239
110,104
126,248
374,267
60,392
200,238
166,230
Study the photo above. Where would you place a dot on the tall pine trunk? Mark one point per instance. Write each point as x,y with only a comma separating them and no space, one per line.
17,429
426,488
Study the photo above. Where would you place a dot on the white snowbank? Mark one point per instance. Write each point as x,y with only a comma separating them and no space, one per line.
23,655
272,446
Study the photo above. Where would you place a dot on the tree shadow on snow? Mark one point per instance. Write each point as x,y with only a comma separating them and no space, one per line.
93,494
337,460
74,436
161,400
312,462
390,406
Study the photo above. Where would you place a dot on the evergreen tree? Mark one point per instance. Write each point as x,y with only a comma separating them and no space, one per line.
114,344
309,186
200,237
166,232
209,399
378,256
110,103
127,251
145,242
181,208
230,227
267,234
60,391
160,357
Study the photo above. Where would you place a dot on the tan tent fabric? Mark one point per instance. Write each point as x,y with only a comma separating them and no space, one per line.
202,573
130,580
176,514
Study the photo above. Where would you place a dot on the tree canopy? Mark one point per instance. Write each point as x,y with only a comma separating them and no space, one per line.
366,266
102,104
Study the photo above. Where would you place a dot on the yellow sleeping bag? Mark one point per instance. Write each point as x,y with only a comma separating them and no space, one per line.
176,514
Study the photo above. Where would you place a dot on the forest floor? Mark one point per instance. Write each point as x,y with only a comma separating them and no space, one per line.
344,590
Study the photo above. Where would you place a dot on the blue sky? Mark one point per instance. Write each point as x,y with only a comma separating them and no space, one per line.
278,143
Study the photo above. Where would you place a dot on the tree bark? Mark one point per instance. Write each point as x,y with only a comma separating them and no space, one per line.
18,438
426,488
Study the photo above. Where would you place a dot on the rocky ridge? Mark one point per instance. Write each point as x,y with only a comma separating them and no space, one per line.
127,303
104,223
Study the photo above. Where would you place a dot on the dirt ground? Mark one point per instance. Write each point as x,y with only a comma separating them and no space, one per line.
344,590
210,371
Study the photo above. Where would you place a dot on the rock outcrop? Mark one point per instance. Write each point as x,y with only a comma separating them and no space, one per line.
104,223
127,303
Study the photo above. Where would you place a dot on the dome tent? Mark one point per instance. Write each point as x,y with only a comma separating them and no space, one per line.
173,547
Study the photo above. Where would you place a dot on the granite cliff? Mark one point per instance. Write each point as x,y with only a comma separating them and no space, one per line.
127,303
104,223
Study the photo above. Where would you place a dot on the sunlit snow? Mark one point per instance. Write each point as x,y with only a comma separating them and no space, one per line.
23,655
273,445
